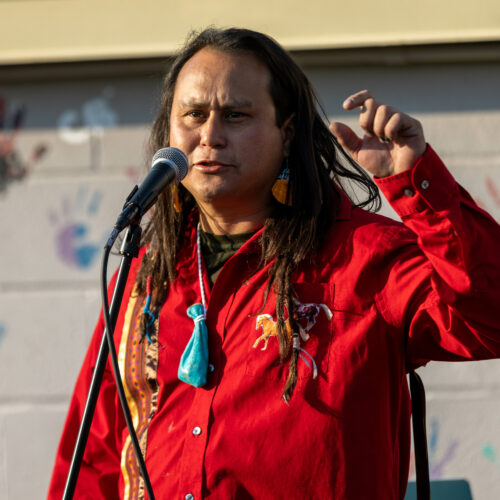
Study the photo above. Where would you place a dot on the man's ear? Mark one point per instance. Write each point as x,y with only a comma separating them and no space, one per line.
288,133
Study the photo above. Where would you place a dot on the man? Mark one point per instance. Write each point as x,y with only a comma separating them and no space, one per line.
315,309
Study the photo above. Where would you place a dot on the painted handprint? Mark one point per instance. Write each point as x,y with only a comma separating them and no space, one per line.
87,123
75,240
12,166
489,452
439,456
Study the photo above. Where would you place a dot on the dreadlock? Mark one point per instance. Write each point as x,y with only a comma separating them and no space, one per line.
317,163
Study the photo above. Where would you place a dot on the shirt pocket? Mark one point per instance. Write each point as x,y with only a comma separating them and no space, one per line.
314,310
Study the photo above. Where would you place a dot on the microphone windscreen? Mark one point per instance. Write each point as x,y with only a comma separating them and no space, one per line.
174,156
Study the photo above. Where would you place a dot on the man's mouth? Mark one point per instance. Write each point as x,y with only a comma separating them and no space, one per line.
211,163
210,166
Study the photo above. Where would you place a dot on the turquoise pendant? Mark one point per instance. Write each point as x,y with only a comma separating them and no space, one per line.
193,366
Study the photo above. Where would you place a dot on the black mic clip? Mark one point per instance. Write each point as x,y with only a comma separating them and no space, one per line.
131,212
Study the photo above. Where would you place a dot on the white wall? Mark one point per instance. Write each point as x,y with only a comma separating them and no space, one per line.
54,220
459,108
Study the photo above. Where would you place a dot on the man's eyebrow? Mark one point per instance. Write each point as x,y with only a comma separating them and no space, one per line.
231,104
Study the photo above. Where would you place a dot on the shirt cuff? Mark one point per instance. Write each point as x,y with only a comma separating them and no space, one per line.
428,184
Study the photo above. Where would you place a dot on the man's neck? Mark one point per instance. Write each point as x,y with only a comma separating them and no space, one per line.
227,222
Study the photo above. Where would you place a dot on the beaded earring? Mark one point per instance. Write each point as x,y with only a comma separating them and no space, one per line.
281,186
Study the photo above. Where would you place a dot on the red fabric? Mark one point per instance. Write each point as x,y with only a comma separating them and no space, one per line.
345,434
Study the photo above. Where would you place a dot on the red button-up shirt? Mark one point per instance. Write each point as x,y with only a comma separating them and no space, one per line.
395,297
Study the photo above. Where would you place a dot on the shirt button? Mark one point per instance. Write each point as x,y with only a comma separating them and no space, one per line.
424,184
189,496
408,192
197,431
211,367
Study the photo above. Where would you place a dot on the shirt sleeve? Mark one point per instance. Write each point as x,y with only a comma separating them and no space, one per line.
99,474
452,311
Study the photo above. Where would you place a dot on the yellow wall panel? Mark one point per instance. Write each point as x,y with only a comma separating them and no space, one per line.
62,30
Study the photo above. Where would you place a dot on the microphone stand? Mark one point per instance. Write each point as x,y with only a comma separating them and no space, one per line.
129,249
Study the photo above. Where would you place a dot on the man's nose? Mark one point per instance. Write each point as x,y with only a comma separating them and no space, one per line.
213,132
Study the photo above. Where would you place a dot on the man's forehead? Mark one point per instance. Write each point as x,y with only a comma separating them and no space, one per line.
236,76
189,101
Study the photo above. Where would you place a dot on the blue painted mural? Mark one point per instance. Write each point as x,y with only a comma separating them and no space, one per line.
441,452
73,222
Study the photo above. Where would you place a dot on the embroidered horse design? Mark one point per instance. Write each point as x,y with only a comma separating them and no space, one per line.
307,311
270,329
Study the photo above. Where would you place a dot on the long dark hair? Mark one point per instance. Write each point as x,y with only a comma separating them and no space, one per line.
317,164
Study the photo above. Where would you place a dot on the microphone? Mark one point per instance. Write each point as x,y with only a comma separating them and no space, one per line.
167,165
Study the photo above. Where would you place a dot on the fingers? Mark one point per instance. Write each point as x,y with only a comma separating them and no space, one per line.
357,100
385,122
347,138
373,116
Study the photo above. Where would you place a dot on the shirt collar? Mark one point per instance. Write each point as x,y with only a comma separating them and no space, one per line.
252,245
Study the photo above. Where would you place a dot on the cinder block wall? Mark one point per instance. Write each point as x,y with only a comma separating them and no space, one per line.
459,108
56,214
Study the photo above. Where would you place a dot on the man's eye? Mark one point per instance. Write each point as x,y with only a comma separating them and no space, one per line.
195,114
234,115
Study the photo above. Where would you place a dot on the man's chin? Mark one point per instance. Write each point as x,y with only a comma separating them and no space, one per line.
218,195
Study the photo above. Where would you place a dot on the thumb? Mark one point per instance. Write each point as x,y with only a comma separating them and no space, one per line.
346,137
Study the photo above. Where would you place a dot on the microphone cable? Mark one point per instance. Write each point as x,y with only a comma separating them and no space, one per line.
116,369
168,164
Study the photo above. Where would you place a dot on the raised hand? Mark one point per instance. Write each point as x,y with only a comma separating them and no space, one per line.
393,141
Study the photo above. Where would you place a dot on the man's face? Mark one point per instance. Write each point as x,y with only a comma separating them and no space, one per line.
224,119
